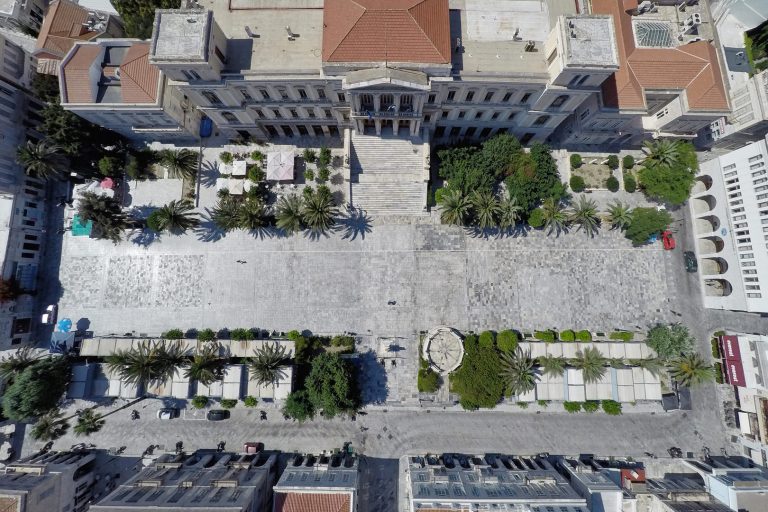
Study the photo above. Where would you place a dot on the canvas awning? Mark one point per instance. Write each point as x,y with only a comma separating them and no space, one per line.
238,168
280,165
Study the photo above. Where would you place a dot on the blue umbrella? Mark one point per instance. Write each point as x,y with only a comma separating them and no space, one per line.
65,324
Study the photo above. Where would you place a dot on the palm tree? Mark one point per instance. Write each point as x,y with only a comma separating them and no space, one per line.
455,207
17,362
88,422
147,362
653,365
552,365
226,213
619,214
207,366
555,218
265,366
180,163
691,370
288,213
615,362
664,152
107,215
486,207
42,160
251,214
49,426
518,371
591,363
584,213
175,217
319,211
510,212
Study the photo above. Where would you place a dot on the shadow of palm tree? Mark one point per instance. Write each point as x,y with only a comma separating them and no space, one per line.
265,232
207,230
355,223
317,234
209,173
144,237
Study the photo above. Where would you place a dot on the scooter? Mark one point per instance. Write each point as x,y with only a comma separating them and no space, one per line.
134,414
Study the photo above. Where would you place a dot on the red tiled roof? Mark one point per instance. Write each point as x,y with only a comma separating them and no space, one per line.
386,30
692,67
63,26
77,76
312,502
138,78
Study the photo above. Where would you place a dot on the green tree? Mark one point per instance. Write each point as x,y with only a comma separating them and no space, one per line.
670,341
288,215
507,340
552,365
691,370
486,209
630,185
241,334
226,213
577,183
663,152
331,385
591,363
612,184
207,366
510,212
180,163
42,160
555,217
138,15
427,381
536,218
619,215
628,162
252,214
496,154
18,361
266,367
576,161
455,207
478,380
148,362
613,162
462,168
487,339
645,222
107,215
319,212
584,214
518,371
654,365
37,389
175,217
88,422
670,179
309,155
299,406
49,427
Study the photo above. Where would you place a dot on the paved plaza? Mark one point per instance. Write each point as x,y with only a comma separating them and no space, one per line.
437,275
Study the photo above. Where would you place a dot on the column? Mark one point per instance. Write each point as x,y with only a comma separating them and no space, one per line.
358,106
397,102
377,122
395,125
377,103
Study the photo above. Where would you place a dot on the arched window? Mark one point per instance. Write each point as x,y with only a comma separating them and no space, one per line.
541,120
229,117
211,97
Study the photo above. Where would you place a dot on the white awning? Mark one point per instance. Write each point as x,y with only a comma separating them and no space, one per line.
744,423
280,165
238,168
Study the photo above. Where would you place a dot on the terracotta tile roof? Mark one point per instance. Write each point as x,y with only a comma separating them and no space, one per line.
386,30
693,67
63,27
312,502
138,78
76,74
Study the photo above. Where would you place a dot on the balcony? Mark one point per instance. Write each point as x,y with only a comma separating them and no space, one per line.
385,114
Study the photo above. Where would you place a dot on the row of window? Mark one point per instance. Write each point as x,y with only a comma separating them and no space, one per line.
264,95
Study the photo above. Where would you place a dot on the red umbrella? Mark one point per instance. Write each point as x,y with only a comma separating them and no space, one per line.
107,183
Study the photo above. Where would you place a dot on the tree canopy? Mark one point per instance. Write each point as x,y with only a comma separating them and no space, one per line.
37,389
478,381
671,341
139,15
330,385
668,173
644,222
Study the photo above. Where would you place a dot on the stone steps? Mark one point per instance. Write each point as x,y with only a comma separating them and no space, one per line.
390,198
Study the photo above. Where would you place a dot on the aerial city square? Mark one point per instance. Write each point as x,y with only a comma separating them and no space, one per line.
384,255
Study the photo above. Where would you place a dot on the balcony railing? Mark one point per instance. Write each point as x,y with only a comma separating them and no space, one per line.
385,114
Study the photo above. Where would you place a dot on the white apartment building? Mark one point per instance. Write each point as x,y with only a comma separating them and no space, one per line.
729,207
318,483
22,13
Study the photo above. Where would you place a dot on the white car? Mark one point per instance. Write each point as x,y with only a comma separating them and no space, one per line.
49,315
167,413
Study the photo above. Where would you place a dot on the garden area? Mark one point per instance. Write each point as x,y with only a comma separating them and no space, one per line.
756,47
593,173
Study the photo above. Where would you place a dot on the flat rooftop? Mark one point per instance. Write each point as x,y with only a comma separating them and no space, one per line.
182,35
591,41
270,50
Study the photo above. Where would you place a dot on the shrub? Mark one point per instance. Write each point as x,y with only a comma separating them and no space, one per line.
226,157
470,342
577,183
718,333
487,339
584,336
613,162
576,160
628,162
325,157
199,401
622,335
522,405
173,334
507,340
241,334
567,335
256,174
257,156
630,185
250,401
298,406
572,407
331,385
309,155
543,403
37,389
206,335
671,341
428,381
612,184
228,403
478,380
439,195
715,348
646,222
591,406
536,218
309,175
348,342
548,336
323,174
718,372
611,407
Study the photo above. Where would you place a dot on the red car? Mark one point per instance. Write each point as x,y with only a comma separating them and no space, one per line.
668,240
252,447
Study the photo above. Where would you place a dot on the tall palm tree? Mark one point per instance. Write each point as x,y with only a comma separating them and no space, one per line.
664,152
455,207
518,371
107,215
486,208
552,365
42,160
252,214
619,214
616,362
691,370
591,363
49,426
180,163
175,217
319,211
510,212
555,218
17,362
266,365
654,365
147,362
288,214
226,213
88,422
584,213
207,366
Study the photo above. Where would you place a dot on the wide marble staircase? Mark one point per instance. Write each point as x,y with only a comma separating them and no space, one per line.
387,174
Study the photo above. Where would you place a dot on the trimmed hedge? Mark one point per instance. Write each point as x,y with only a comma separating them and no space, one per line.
536,218
612,184
507,340
575,160
591,406
584,336
630,184
470,341
567,335
173,334
199,401
487,339
628,161
250,401
613,162
715,348
428,381
548,336
572,407
611,407
228,403
622,335
577,183
718,372
206,335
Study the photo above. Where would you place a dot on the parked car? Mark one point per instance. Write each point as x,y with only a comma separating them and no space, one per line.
253,447
49,315
668,240
217,415
691,265
168,413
